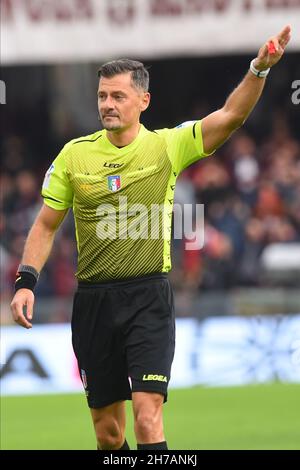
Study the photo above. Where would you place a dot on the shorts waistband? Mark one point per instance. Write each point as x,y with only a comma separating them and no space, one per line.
121,282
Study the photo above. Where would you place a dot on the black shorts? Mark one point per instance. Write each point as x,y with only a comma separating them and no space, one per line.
123,335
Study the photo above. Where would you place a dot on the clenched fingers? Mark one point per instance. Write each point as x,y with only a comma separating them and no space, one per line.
23,300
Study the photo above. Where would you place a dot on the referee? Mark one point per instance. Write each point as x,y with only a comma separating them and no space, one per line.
123,327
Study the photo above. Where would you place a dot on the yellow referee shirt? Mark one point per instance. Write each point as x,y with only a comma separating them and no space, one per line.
122,198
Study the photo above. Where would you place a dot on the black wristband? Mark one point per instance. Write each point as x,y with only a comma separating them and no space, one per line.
25,280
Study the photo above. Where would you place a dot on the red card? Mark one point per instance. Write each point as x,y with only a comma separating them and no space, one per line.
271,48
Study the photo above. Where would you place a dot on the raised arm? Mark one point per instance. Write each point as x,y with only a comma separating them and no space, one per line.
37,249
218,126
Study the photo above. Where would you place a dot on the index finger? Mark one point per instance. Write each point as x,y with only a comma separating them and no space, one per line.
284,34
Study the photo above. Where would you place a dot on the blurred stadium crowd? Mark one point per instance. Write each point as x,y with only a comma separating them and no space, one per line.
250,188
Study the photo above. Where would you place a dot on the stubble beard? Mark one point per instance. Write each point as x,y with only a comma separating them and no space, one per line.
110,126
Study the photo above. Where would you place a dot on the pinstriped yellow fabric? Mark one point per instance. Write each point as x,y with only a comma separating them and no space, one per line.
122,198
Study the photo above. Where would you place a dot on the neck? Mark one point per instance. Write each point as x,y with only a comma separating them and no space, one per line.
124,136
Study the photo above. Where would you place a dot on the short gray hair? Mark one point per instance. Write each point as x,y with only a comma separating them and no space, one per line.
139,73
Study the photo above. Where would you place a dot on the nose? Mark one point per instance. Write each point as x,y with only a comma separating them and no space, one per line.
108,103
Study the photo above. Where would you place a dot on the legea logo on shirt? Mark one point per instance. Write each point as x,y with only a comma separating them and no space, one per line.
114,183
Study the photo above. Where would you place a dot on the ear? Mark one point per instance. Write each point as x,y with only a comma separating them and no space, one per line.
145,101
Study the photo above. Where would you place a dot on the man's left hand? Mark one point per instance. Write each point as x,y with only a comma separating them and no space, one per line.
265,59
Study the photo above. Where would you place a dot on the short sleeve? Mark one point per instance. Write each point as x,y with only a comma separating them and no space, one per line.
185,144
56,190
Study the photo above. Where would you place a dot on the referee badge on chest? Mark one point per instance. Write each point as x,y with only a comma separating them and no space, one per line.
114,183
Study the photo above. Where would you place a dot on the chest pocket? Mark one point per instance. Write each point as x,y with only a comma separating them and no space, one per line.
87,178
87,187
143,172
80,179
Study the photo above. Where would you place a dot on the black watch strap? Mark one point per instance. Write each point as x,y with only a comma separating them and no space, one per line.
25,268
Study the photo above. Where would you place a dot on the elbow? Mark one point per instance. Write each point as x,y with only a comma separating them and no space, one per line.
240,122
235,120
43,230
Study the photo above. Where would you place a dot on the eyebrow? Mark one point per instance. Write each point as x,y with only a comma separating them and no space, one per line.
120,92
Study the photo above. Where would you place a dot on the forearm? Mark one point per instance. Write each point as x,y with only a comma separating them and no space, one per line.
37,249
38,246
244,98
217,127
41,236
